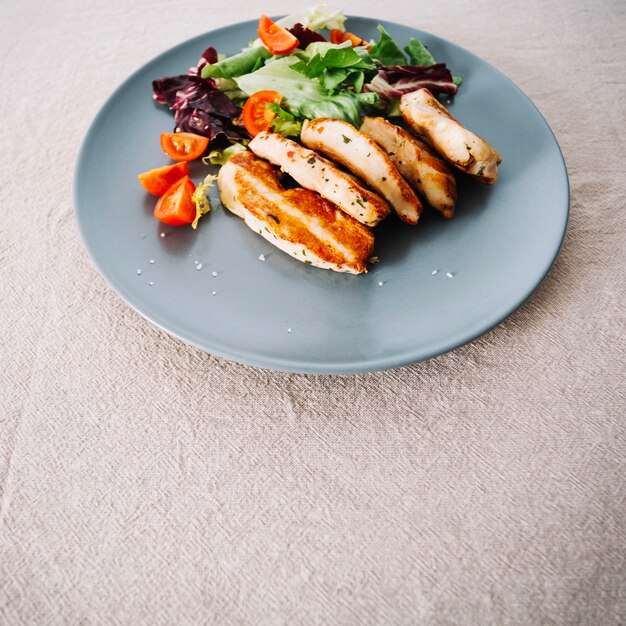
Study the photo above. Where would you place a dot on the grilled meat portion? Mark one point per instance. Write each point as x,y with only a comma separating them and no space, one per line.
346,145
464,149
298,221
417,163
314,172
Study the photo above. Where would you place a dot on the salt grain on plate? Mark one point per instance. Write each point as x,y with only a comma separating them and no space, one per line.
213,293
262,257
213,273
138,272
152,261
289,330
449,275
199,266
150,283
162,234
434,272
380,283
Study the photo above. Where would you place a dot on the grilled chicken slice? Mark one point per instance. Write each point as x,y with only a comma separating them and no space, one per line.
465,150
312,171
345,144
298,221
416,162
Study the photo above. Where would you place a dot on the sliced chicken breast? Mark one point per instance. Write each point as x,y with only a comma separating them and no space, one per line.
298,221
416,162
345,144
464,149
312,171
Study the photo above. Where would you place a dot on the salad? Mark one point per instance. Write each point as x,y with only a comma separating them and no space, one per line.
301,67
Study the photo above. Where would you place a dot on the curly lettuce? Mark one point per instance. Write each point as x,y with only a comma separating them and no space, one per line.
220,156
336,65
200,198
315,18
305,97
284,123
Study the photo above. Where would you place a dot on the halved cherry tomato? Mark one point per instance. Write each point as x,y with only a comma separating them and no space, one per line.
160,179
175,207
256,116
183,146
277,40
336,36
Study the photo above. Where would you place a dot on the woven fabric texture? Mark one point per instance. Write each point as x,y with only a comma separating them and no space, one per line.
145,482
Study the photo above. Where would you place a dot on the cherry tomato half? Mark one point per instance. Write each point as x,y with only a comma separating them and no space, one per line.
160,179
175,207
256,116
183,146
277,40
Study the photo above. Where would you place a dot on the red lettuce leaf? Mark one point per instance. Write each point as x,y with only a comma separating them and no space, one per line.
209,56
199,107
393,81
305,35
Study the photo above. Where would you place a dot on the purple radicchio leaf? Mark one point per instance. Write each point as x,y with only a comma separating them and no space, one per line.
393,81
209,56
199,107
305,35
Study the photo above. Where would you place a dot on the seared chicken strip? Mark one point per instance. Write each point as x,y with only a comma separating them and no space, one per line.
298,221
416,162
312,171
345,144
465,150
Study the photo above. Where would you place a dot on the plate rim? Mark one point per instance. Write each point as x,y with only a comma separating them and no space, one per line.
300,366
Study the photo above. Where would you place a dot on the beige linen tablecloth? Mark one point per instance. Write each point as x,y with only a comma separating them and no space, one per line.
145,482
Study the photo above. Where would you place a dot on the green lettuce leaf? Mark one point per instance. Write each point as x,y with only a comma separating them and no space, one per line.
320,56
356,80
386,50
418,53
393,109
331,79
248,60
284,123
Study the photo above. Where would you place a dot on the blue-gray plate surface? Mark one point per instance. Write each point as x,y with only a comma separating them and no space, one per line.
284,315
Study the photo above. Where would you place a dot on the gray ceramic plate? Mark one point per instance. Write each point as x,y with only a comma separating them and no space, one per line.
284,315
